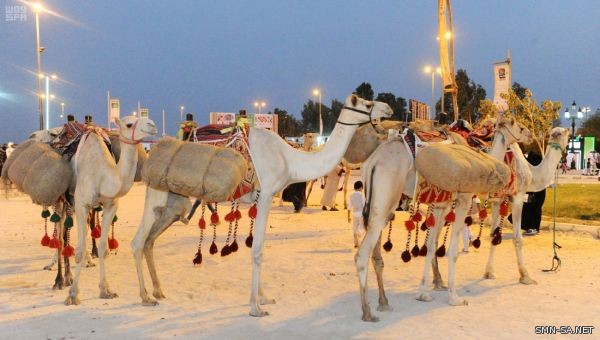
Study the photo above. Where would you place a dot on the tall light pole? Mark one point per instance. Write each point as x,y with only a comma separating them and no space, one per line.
429,69
62,111
317,92
586,110
260,105
181,108
37,8
576,114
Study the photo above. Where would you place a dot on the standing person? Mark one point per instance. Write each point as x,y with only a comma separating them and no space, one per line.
330,188
466,234
356,205
187,128
531,216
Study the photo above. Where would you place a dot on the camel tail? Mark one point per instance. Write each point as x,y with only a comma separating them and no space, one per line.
368,193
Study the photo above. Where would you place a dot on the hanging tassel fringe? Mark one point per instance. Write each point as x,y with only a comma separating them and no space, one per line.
387,246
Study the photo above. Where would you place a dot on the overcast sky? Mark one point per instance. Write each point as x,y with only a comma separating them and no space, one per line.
223,55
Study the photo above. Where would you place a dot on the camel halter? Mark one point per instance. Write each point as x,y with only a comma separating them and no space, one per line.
368,113
131,141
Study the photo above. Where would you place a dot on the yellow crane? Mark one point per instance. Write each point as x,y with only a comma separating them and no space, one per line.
445,37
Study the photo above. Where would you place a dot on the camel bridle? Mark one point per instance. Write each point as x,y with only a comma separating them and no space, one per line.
368,113
131,140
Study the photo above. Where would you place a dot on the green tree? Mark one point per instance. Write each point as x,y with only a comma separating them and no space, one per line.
310,116
470,94
591,127
398,104
365,91
287,124
331,116
519,90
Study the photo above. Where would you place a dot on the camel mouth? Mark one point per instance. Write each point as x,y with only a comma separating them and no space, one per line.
150,131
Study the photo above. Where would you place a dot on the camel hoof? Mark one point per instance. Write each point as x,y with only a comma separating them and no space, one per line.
425,297
149,302
490,276
258,313
48,267
384,308
370,318
458,302
527,281
108,295
158,294
266,301
72,301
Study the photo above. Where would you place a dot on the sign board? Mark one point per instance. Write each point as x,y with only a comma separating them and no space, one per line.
262,120
144,112
418,109
222,118
115,109
501,84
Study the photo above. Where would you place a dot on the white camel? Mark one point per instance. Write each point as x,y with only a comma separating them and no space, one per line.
530,178
277,165
390,172
100,180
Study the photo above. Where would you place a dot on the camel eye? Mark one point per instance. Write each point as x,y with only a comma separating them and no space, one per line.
369,105
129,125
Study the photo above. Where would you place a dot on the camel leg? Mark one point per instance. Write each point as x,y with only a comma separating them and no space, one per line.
59,281
346,180
80,218
109,209
461,211
489,269
517,208
256,295
430,258
310,187
68,274
438,281
378,265
92,224
365,250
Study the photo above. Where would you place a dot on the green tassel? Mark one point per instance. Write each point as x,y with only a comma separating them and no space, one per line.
115,219
98,208
68,222
45,213
55,218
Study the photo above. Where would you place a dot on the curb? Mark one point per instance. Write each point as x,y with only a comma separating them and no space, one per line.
593,230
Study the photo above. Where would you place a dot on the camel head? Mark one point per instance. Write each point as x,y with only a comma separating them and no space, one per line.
132,129
358,111
45,136
559,137
310,140
513,131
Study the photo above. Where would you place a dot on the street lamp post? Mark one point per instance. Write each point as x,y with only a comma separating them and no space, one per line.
577,114
259,105
62,111
317,92
37,8
586,110
181,108
429,69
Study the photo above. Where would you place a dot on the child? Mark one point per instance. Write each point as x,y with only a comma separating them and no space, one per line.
357,202
466,235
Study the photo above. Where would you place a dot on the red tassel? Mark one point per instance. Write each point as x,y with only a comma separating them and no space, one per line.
405,256
230,217
238,215
410,225
45,240
96,231
198,258
213,249
482,214
214,218
417,217
252,211
468,220
430,222
113,243
68,251
504,208
54,243
202,223
450,217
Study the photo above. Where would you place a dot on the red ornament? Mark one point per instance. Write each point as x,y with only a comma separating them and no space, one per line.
45,240
96,231
417,217
468,220
482,214
430,221
54,243
504,208
238,214
252,211
113,243
450,217
410,225
202,223
198,258
68,251
230,217
214,218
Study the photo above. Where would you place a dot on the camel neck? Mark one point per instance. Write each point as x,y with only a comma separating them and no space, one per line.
127,166
499,146
543,173
311,165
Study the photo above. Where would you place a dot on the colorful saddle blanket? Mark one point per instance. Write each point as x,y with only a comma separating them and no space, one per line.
511,187
68,139
234,137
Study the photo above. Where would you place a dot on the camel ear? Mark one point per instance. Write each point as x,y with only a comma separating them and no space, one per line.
556,134
353,99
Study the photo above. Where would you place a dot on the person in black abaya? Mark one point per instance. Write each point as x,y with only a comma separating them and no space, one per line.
531,217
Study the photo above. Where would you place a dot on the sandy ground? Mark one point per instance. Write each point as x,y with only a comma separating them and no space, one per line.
309,270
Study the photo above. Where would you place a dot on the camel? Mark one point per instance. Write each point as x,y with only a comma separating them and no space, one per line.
277,165
529,178
388,173
100,180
